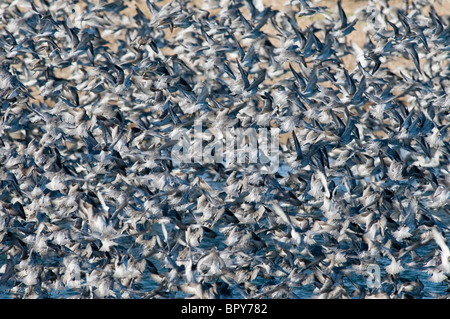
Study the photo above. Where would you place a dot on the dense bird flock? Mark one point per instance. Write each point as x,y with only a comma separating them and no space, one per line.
93,205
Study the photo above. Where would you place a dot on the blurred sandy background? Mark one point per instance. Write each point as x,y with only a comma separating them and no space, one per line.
350,7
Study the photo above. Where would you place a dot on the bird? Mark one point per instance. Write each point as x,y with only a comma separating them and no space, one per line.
247,150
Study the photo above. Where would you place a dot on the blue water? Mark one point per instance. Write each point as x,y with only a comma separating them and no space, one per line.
300,290
306,291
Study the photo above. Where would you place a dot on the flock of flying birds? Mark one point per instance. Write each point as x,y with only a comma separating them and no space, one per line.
92,205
